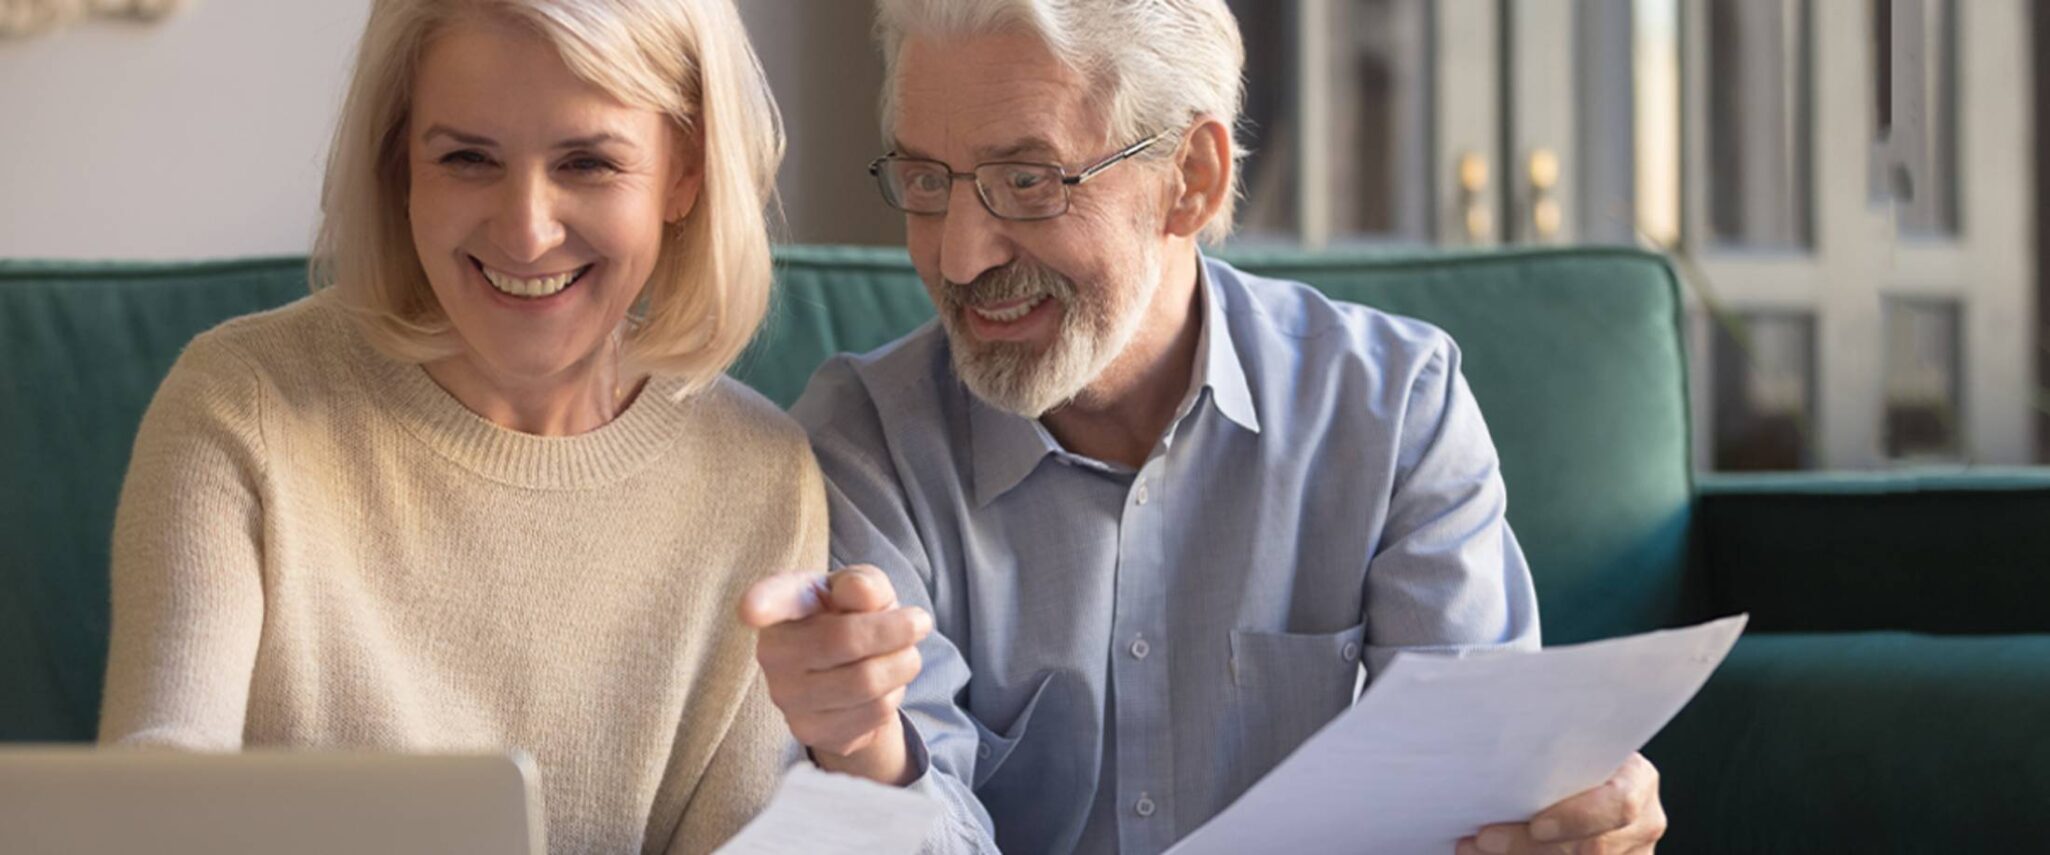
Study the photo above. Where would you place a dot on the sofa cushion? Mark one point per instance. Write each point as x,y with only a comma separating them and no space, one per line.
1863,742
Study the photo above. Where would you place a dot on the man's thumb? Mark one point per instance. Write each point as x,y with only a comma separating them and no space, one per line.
859,588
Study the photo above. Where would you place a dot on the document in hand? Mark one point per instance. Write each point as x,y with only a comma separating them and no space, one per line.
821,813
1439,746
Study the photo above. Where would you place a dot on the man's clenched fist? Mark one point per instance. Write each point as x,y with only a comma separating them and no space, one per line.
838,653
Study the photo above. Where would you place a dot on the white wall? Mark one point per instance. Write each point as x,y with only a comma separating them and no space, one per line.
199,136
826,75
205,135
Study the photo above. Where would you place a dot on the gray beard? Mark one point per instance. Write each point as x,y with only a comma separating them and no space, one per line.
1010,376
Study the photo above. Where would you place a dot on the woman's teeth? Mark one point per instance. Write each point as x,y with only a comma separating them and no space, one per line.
531,288
1005,316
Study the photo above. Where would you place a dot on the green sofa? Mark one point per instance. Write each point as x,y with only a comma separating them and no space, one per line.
1893,693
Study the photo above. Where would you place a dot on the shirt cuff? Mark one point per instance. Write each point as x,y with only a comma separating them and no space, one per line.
954,832
916,756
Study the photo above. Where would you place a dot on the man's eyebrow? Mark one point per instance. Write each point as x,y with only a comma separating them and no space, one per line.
898,147
1028,145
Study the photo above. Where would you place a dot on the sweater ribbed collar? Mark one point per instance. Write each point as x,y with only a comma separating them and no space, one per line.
650,426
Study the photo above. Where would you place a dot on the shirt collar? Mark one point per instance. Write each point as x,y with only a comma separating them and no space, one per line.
1217,359
1006,447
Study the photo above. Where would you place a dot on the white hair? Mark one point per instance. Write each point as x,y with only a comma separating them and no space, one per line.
1156,64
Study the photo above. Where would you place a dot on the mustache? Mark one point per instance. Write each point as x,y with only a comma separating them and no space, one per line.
1015,281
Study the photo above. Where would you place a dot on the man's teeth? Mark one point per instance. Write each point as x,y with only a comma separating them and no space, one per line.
1005,316
542,287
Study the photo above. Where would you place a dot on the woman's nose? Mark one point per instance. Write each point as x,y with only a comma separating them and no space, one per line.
527,227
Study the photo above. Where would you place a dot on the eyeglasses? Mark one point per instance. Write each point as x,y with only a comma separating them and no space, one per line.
1010,191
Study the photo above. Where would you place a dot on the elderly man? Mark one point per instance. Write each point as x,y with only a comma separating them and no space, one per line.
1161,511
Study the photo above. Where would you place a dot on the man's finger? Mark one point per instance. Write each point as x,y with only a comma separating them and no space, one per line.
861,588
1613,805
823,642
861,683
782,598
1510,838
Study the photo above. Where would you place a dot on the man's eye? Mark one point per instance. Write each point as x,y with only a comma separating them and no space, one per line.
928,182
1026,179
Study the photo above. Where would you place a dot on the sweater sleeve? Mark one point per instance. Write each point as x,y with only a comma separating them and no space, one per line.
186,577
749,762
741,777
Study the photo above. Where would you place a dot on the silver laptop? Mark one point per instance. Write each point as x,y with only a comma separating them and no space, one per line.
84,800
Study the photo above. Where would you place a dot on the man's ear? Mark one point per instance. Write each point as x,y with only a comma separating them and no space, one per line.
1204,166
688,180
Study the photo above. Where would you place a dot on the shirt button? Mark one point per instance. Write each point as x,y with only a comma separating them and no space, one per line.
1143,807
1141,494
984,751
1140,648
1351,653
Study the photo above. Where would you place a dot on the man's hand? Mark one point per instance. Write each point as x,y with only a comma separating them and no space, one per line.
838,653
1621,815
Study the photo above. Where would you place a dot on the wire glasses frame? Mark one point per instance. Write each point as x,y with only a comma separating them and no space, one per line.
1009,190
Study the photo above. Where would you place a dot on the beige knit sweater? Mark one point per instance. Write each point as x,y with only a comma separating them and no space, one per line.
318,546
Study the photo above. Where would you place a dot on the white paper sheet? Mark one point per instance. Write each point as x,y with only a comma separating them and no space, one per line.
820,813
1439,746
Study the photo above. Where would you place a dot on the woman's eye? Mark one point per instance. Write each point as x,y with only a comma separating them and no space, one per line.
465,158
590,165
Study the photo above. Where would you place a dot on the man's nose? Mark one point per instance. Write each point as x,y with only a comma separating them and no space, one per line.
971,240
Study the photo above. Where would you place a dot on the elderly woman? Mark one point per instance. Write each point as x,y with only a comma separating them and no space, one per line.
487,487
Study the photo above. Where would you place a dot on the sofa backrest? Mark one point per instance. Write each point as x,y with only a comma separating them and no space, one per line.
1574,356
82,349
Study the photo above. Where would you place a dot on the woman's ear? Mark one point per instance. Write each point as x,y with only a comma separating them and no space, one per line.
1204,166
687,180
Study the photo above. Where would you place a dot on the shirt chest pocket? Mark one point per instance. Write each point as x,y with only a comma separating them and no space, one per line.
1287,686
994,748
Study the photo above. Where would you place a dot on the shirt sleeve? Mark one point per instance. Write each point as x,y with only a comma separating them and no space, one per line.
1449,576
187,574
871,525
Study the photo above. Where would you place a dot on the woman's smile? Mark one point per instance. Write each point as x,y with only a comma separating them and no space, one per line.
530,287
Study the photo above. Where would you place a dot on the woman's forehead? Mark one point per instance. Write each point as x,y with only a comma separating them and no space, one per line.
508,84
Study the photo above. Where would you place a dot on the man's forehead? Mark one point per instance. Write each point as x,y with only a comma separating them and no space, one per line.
990,98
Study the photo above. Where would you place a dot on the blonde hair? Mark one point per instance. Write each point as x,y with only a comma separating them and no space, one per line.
687,59
1158,64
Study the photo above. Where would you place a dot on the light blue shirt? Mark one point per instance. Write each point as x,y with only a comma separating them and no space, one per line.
1121,653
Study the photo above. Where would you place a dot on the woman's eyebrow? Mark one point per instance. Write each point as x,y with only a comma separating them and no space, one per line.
596,140
588,141
458,136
